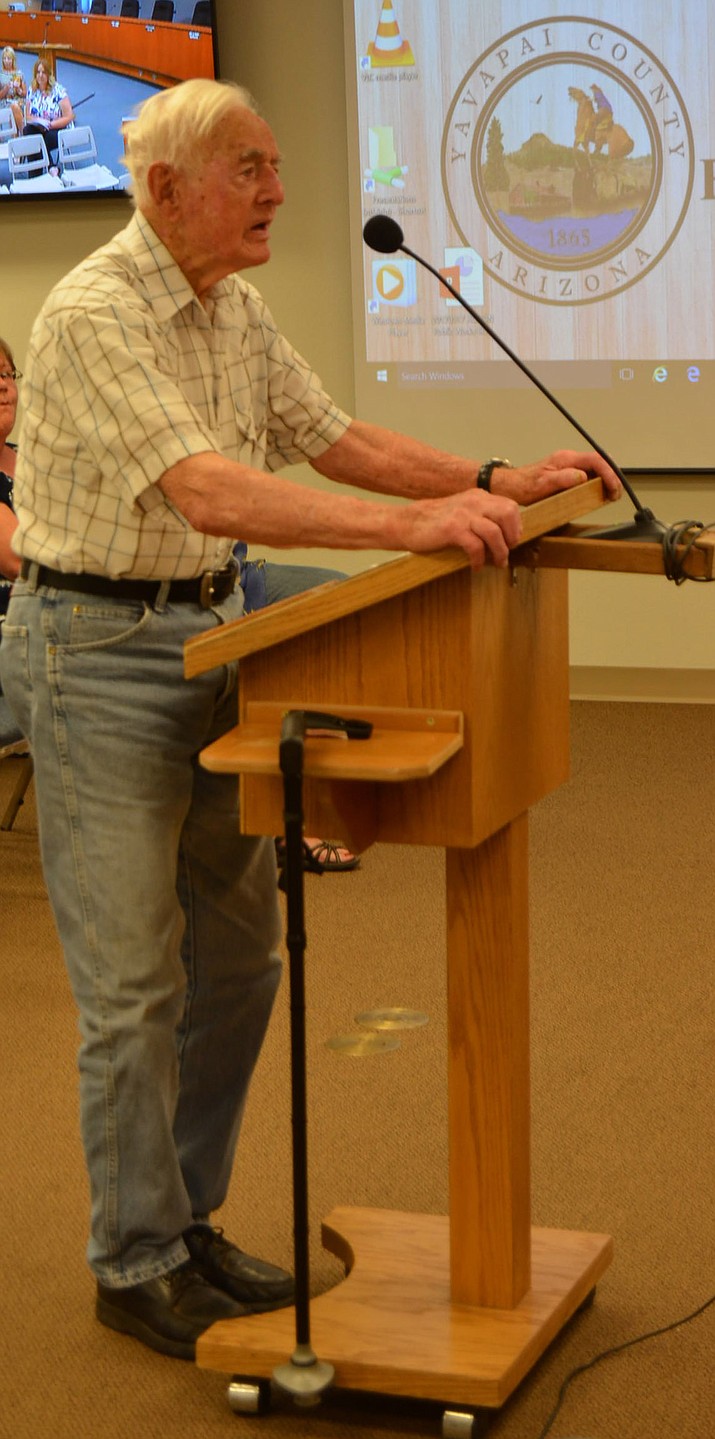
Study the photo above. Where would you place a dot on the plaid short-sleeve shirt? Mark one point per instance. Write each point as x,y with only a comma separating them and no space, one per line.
127,373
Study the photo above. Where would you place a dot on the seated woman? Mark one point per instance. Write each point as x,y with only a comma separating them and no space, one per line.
11,739
47,108
13,89
9,562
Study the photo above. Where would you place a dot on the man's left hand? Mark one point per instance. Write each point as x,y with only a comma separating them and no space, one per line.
561,471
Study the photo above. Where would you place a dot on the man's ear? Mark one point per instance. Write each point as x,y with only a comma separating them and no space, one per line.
163,182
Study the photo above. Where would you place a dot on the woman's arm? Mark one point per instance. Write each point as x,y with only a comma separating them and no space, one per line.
9,561
65,117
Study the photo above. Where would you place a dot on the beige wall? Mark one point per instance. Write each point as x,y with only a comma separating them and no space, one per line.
291,56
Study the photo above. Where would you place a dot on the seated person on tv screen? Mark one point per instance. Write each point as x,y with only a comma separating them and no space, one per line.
48,108
9,562
12,86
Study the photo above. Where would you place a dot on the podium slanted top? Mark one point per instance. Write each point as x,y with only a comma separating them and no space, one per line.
288,618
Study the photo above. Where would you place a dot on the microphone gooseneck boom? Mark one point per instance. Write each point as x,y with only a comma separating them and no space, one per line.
383,234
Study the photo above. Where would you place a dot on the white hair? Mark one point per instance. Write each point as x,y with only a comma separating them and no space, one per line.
175,125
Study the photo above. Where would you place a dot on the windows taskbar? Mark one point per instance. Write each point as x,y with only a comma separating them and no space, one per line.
555,374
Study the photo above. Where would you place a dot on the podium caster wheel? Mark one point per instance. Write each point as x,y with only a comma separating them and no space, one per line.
457,1425
249,1396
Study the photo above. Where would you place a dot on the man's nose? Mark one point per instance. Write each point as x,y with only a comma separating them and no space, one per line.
272,186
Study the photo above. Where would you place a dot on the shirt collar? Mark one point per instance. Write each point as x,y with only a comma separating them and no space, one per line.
166,284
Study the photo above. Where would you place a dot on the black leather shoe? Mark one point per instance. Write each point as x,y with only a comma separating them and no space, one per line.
168,1313
253,1282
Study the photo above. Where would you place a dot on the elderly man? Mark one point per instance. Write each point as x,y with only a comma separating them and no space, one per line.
160,401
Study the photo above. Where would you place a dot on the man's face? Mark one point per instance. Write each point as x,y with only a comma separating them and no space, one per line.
228,205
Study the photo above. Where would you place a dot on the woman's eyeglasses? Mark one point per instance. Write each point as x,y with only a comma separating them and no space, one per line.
10,374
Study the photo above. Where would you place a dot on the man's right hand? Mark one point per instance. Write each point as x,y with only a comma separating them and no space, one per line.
485,526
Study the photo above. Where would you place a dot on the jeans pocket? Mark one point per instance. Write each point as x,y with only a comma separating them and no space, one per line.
15,651
100,626
15,679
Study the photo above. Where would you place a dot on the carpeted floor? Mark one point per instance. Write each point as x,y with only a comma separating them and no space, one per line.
622,948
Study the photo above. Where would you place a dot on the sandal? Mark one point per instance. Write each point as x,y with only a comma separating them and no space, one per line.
327,855
319,856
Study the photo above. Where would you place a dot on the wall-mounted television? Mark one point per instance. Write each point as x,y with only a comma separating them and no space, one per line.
97,60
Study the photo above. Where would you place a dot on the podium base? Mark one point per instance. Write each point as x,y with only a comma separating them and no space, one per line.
390,1326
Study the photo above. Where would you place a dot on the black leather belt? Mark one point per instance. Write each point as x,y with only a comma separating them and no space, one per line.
207,590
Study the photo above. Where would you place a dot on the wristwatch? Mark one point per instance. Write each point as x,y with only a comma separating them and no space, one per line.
484,478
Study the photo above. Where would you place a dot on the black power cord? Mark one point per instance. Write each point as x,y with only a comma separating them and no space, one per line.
617,1349
685,533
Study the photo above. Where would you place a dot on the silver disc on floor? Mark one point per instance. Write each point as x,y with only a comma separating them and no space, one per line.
361,1045
391,1019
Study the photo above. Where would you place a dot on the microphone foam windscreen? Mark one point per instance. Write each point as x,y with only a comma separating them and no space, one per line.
382,233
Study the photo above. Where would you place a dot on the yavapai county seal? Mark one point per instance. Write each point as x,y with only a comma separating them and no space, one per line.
567,160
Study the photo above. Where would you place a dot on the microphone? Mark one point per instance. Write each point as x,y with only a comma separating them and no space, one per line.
383,234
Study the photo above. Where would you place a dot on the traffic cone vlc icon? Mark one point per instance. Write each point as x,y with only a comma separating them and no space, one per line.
388,47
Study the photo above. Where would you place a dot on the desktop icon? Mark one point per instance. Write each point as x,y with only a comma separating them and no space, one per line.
383,167
693,373
464,273
394,282
388,47
660,374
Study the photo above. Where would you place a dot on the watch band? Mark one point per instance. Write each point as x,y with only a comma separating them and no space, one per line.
484,478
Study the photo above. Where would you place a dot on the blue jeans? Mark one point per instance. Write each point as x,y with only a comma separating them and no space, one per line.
264,582
168,917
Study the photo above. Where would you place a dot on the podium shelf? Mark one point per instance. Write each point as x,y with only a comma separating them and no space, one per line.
405,744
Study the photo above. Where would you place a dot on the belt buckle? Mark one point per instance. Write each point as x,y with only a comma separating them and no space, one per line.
206,590
217,585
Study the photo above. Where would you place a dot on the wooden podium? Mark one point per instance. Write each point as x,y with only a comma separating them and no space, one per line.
465,677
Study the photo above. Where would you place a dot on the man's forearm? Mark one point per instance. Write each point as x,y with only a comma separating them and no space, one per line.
220,497
372,458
